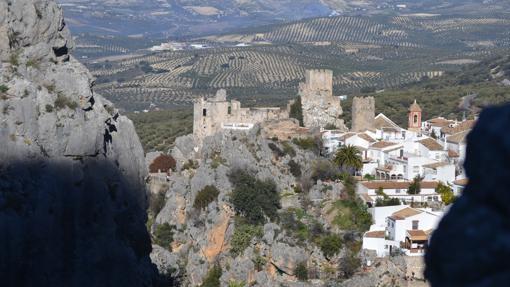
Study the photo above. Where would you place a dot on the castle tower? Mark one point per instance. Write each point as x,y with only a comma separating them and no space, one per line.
320,107
414,117
363,113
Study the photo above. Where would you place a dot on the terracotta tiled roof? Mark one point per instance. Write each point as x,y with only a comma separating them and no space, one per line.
367,137
415,107
346,136
452,153
405,213
382,144
417,235
461,182
375,234
431,144
397,184
439,122
464,126
381,122
436,165
458,137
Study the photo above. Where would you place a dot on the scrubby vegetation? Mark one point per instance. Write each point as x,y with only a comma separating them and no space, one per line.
212,279
324,170
4,89
306,143
243,235
254,199
164,235
296,111
330,245
205,196
446,193
63,101
301,271
295,168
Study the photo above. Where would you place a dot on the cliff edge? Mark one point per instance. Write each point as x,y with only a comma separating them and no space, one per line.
72,191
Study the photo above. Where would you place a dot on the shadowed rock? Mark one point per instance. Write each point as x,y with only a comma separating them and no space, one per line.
471,246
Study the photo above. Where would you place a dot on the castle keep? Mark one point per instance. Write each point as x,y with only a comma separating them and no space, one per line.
320,107
363,114
214,114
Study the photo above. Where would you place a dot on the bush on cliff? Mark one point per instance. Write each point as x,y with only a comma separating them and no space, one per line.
164,235
254,199
204,197
212,279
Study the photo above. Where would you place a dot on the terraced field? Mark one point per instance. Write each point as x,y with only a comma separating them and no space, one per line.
365,53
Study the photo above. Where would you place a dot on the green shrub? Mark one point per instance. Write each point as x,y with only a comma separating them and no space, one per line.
212,279
295,168
33,63
288,149
276,150
325,170
204,197
415,186
330,245
190,164
62,101
306,143
301,272
352,215
164,235
387,202
296,111
14,59
348,265
446,193
243,234
4,89
236,284
259,263
254,199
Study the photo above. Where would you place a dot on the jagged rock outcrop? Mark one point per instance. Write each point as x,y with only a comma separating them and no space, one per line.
471,245
203,238
72,191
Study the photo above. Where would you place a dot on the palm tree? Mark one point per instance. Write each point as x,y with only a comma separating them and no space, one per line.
349,158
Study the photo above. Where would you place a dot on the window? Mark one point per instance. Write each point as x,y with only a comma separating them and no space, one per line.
204,112
229,110
415,224
415,119
416,169
397,191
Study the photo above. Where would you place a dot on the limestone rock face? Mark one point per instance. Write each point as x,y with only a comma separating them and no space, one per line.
478,221
72,191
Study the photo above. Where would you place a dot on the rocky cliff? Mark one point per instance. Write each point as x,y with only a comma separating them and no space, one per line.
313,240
72,191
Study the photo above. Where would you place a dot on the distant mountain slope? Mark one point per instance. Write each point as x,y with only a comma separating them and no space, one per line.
457,94
176,18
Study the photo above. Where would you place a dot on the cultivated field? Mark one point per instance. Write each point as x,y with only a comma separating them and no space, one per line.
365,53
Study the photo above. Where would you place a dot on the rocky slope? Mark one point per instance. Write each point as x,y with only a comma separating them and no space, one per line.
72,192
276,251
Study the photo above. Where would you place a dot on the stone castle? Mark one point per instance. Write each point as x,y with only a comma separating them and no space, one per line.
320,107
214,114
363,113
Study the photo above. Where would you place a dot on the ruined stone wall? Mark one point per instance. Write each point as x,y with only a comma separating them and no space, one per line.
211,114
363,113
320,107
